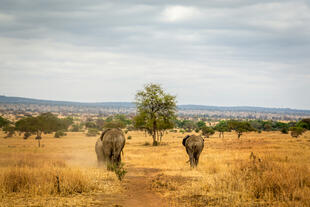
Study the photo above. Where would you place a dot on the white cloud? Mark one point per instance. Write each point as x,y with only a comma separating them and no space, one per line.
5,18
179,13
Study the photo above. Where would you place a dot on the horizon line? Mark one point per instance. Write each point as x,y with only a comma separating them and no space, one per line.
183,104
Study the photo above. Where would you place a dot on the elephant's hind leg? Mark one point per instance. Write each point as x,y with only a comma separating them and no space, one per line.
197,155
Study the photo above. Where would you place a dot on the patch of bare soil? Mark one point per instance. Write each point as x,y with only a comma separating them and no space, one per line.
137,191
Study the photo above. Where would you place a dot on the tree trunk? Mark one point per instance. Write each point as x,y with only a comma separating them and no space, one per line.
154,138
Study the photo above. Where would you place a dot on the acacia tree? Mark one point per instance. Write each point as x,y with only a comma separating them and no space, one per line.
3,122
207,131
222,127
44,123
156,111
7,127
239,127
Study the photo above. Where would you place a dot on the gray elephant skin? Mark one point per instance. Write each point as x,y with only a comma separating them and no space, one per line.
194,146
109,147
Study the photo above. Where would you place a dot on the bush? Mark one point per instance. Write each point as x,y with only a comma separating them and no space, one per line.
27,135
284,131
60,133
296,131
92,132
76,128
207,131
119,171
129,137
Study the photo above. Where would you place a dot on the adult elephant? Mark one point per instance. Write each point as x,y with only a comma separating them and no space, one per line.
194,146
109,147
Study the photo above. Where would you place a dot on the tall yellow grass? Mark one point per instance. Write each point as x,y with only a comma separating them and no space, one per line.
60,173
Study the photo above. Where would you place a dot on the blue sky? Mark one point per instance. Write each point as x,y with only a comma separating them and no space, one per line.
220,52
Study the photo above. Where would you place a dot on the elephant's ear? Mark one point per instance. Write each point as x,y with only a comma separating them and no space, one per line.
184,140
103,133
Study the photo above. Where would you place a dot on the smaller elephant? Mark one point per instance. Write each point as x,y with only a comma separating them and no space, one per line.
194,146
109,147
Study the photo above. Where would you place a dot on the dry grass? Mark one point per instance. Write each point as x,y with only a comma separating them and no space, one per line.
277,173
61,173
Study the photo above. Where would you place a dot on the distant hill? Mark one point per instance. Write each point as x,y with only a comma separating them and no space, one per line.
20,100
130,105
242,109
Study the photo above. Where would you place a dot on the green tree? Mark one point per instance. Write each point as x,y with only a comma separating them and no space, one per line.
60,133
240,127
44,123
156,111
76,127
188,125
304,123
122,118
200,124
90,124
3,122
65,123
297,131
207,131
222,127
92,132
114,124
9,129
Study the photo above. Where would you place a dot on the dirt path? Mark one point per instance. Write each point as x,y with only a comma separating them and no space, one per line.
137,184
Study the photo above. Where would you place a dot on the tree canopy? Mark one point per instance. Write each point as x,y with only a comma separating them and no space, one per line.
3,122
240,127
44,123
156,111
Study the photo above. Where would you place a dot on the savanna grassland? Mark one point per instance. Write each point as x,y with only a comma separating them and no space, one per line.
259,169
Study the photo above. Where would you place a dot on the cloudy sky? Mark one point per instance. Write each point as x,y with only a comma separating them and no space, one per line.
216,52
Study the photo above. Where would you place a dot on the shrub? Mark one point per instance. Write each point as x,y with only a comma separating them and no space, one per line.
119,171
76,128
27,135
284,131
296,131
60,133
207,131
129,137
92,132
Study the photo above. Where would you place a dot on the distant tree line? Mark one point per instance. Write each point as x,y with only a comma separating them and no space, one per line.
242,126
47,123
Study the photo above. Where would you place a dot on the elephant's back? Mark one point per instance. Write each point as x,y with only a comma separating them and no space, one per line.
195,141
113,136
